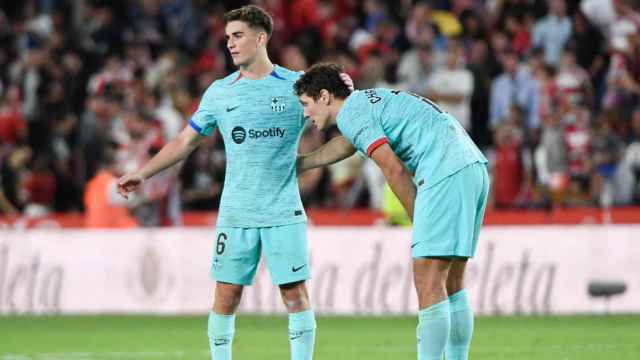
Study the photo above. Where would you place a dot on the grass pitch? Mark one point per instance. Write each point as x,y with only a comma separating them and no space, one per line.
259,337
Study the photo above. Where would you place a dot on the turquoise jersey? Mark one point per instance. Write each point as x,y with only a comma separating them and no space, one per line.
261,122
430,142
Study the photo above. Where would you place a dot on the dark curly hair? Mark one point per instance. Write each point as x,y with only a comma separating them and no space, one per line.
254,16
322,76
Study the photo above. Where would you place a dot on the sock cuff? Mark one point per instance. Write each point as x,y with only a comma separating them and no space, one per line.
459,301
222,324
438,310
302,321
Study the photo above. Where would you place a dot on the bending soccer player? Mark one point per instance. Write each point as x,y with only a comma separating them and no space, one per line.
437,173
261,121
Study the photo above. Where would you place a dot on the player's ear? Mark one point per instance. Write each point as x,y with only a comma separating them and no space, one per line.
325,96
262,38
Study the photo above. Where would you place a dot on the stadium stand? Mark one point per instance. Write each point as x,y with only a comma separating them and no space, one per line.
549,90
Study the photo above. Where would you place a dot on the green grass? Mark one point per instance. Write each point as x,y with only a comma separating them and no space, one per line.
150,337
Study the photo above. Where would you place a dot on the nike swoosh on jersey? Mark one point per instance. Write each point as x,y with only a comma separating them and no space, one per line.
231,108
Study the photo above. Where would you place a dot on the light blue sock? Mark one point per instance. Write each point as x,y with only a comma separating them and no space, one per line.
434,324
221,330
302,334
461,327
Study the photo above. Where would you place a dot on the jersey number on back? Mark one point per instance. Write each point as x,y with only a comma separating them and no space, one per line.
424,99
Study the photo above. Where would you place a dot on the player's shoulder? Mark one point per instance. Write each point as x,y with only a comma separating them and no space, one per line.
218,87
283,73
353,106
227,80
363,97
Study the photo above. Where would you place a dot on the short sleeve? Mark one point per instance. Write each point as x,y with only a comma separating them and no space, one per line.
203,120
363,131
357,124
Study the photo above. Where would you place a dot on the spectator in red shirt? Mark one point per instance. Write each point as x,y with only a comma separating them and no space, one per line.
303,14
13,128
519,34
509,175
39,187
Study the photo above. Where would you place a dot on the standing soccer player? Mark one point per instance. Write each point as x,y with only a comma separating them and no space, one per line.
439,176
261,122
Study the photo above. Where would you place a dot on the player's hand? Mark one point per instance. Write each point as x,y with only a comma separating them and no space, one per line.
300,165
129,183
347,80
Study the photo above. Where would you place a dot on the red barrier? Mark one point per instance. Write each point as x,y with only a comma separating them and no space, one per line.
630,215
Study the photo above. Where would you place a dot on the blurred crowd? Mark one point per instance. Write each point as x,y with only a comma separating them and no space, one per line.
549,89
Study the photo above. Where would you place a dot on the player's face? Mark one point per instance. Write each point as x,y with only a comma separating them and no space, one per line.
243,42
315,110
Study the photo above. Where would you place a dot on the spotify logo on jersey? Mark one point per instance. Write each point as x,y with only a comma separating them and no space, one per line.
238,134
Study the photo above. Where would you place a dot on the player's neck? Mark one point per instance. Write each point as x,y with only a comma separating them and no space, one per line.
334,109
257,69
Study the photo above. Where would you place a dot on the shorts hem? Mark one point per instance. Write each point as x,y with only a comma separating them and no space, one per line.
231,281
440,253
292,280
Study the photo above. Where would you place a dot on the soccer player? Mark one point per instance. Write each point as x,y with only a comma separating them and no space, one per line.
261,122
437,173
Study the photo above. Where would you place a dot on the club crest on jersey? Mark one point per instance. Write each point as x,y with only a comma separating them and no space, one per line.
278,104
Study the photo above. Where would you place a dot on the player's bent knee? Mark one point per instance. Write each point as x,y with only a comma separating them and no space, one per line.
455,279
226,304
294,296
454,286
430,287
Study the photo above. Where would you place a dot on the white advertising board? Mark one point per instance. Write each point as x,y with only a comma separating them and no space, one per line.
355,270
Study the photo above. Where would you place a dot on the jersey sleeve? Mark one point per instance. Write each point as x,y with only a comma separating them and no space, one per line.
296,76
204,119
360,128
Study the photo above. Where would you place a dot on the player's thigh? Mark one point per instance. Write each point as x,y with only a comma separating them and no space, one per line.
445,215
431,271
226,298
455,276
236,253
286,252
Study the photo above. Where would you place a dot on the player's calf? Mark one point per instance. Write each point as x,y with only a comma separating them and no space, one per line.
434,323
302,322
461,314
221,329
221,326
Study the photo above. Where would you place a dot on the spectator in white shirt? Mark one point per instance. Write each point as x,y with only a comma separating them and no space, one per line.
451,87
417,65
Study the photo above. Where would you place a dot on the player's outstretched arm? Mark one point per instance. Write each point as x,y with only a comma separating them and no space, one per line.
338,148
174,151
397,175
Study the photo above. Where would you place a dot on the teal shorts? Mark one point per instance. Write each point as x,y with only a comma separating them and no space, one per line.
236,253
448,215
